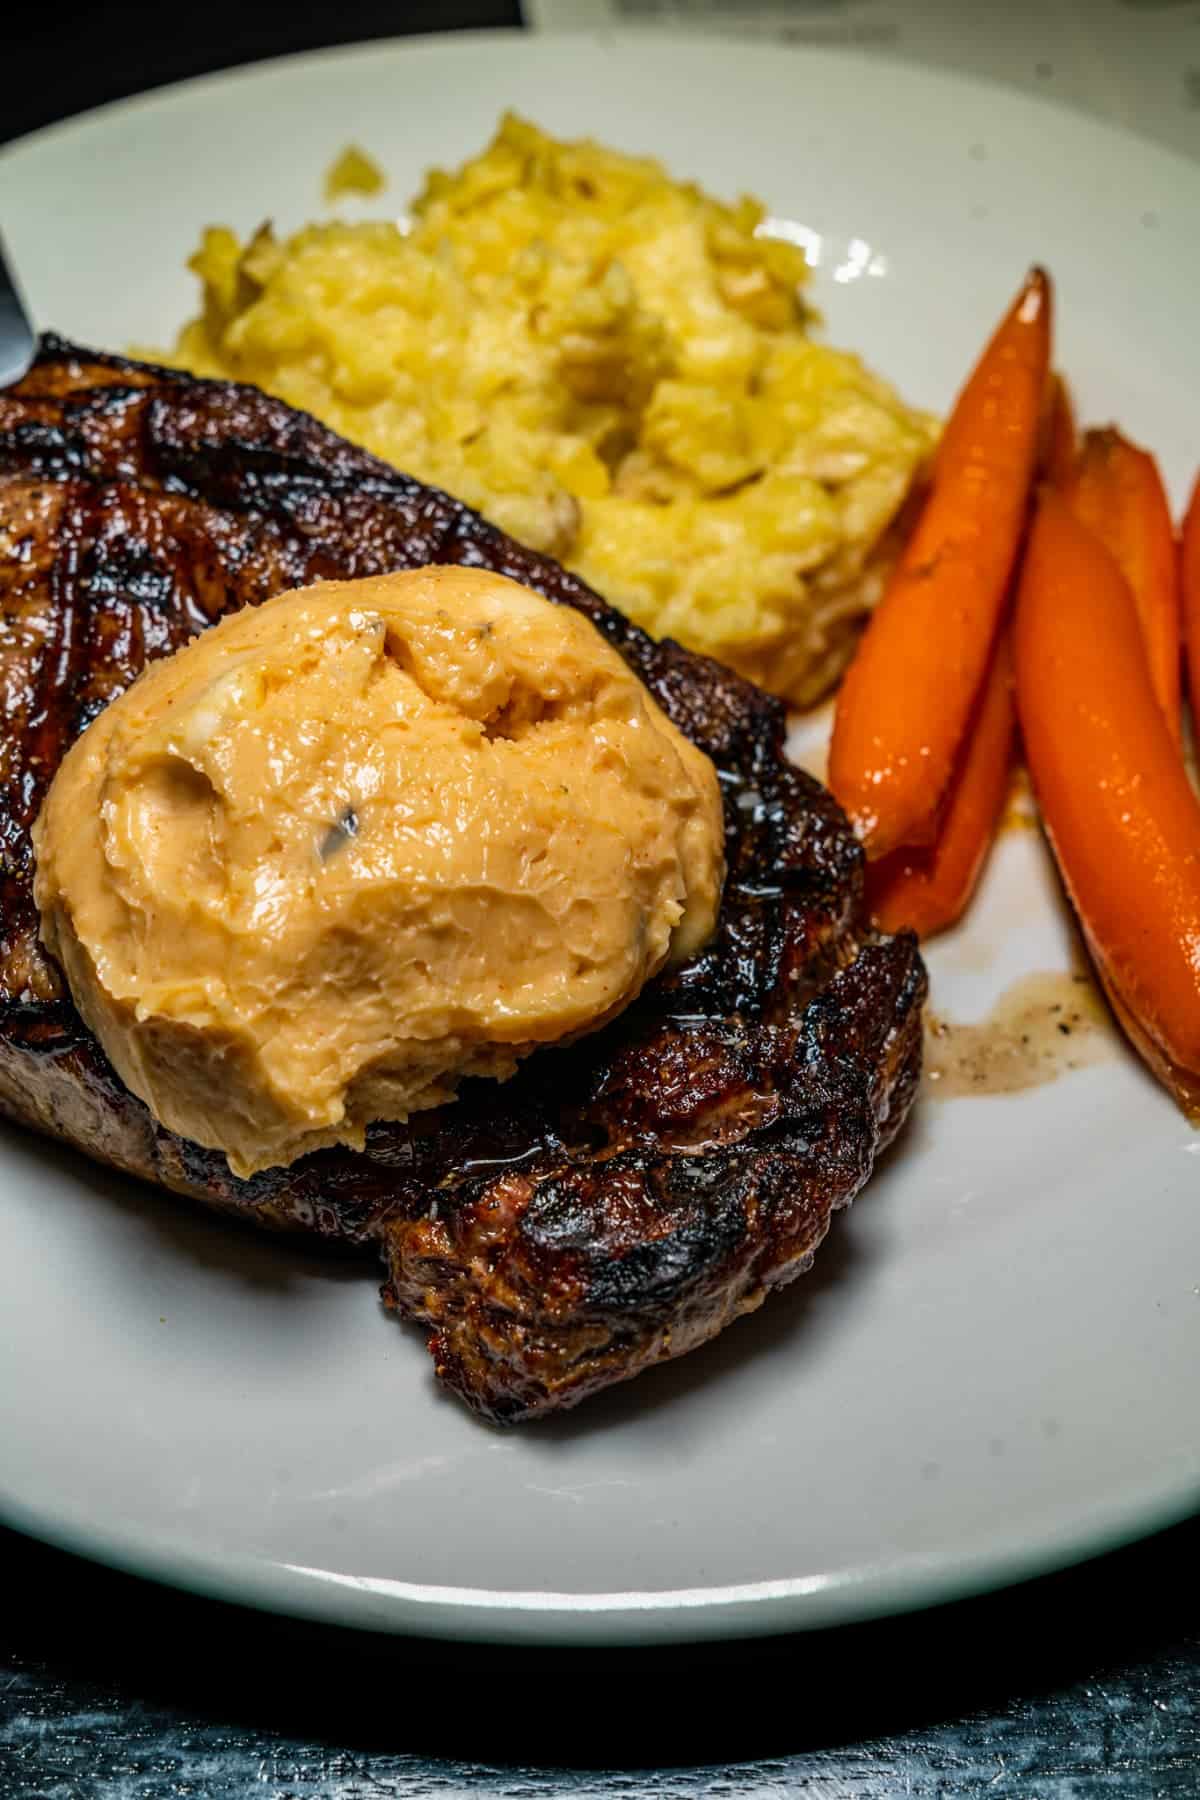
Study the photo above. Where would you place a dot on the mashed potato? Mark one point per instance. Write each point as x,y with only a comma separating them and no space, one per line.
612,366
353,845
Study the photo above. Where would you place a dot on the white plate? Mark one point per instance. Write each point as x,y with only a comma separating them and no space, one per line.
992,1370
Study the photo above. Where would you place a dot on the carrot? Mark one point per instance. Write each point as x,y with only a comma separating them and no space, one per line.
1061,445
1189,582
907,699
1117,492
929,889
1117,805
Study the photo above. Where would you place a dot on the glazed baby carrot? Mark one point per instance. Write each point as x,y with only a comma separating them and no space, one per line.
1189,581
1117,491
929,889
1117,805
1061,443
908,696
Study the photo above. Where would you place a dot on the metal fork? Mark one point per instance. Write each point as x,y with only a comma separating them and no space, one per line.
18,340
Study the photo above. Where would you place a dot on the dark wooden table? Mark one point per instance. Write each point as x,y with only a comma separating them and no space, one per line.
1083,1686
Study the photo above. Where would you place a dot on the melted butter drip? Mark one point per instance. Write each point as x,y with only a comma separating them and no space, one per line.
1043,1026
1020,808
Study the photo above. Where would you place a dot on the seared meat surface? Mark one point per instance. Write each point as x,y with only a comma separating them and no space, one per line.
617,1202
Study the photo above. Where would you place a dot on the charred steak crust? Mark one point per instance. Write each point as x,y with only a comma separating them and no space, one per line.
615,1203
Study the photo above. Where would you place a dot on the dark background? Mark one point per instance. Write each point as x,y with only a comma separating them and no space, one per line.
61,58
1079,1687
1083,1686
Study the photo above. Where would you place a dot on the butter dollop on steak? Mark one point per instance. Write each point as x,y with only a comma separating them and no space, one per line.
617,1202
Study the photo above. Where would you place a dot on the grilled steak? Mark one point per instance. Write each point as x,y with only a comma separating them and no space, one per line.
615,1203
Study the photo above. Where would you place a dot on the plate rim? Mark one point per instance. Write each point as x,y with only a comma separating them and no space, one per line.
1046,106
887,1588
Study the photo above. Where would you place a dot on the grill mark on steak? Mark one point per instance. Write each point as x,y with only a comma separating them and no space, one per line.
617,1201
